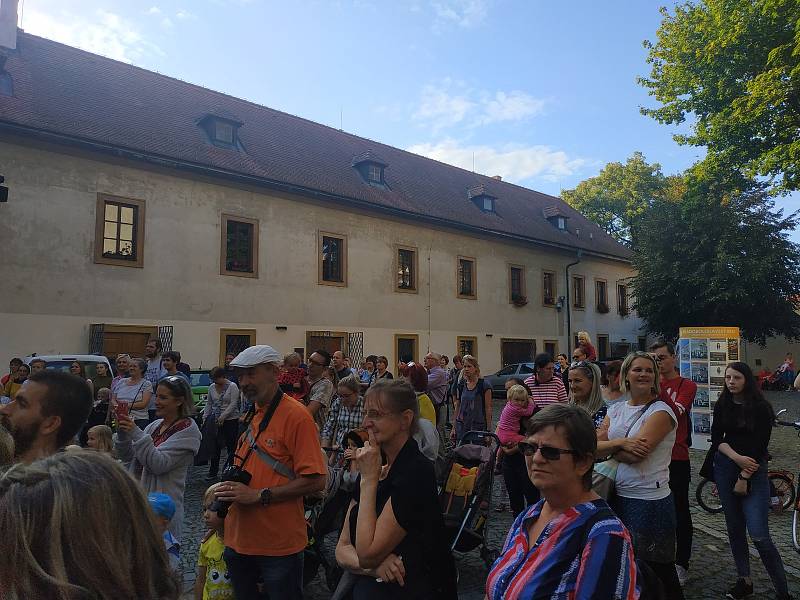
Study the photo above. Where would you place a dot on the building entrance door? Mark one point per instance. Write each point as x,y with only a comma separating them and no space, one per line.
330,341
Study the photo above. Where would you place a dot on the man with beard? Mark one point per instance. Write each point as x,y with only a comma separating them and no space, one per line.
265,529
46,414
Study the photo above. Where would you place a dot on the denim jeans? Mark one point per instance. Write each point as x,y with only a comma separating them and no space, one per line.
282,576
751,511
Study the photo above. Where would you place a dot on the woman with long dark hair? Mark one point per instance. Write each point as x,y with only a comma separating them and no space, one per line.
740,433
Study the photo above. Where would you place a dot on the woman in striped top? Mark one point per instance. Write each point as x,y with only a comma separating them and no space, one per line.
545,388
569,545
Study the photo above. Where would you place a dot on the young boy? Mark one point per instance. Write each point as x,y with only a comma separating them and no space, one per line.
212,580
164,509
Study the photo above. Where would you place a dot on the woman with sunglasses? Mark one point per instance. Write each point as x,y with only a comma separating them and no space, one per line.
160,456
570,526
639,432
393,544
584,391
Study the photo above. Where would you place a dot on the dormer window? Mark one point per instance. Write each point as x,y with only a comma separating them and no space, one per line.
222,131
556,216
371,168
481,198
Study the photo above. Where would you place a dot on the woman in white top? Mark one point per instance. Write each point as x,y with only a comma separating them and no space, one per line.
639,431
137,390
222,405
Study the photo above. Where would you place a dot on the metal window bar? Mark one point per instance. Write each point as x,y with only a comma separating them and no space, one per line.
96,334
355,348
165,335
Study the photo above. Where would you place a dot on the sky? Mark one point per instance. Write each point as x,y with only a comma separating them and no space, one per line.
542,93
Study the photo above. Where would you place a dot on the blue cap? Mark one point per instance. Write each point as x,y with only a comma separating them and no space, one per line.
161,504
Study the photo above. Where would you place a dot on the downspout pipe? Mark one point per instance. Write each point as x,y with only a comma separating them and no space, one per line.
569,304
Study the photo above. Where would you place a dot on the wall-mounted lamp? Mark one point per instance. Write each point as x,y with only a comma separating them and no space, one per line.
560,303
281,327
489,335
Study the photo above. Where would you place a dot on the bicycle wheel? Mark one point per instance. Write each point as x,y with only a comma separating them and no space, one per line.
784,489
708,497
796,521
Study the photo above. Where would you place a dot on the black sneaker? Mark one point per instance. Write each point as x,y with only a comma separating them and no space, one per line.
742,589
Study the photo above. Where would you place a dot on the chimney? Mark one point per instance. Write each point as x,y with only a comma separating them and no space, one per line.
498,177
8,24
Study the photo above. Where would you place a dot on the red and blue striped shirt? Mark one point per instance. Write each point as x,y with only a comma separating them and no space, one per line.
585,553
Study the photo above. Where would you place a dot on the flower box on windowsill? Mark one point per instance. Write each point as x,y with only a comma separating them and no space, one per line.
519,300
602,308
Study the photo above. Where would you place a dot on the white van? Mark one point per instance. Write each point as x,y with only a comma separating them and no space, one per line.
62,362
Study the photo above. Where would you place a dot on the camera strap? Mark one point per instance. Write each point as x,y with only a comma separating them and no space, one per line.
247,435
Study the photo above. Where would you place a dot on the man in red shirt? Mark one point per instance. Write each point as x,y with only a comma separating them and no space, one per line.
679,393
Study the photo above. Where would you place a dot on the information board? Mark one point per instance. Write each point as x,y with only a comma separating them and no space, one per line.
704,352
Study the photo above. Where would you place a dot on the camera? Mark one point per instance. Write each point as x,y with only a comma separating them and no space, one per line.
237,475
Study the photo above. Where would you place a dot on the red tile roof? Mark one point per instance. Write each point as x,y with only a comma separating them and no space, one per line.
87,98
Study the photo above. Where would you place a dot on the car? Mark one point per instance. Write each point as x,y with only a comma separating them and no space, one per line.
498,380
200,381
63,362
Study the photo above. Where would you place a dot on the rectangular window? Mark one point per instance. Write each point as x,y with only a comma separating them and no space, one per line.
603,347
467,345
578,292
516,284
406,280
466,278
406,348
641,342
223,132
239,247
622,299
374,173
332,259
601,295
551,348
233,341
119,231
548,288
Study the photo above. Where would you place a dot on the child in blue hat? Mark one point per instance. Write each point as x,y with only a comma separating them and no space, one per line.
164,509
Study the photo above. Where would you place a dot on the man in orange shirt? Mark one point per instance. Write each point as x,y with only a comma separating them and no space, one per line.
265,529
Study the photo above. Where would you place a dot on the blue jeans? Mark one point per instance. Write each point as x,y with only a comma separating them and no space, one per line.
751,511
282,576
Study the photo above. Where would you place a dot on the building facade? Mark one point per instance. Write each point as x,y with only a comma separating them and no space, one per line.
140,205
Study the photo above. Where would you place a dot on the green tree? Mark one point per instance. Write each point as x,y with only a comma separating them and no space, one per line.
718,257
733,68
618,197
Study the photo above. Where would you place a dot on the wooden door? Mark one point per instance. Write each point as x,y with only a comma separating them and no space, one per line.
517,351
330,341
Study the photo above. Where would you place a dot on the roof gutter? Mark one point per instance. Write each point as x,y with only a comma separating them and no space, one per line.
181,165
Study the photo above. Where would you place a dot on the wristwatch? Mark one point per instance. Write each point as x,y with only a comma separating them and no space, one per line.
266,496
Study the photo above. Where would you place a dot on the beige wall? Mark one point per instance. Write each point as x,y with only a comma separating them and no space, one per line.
53,290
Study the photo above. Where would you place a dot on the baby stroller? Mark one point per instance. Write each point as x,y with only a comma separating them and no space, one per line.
776,382
466,494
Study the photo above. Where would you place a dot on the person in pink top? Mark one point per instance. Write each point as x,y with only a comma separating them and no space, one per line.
519,406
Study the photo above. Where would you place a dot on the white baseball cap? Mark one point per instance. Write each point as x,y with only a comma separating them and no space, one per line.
256,355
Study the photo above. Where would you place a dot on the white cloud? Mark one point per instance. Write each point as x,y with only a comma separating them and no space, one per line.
154,10
185,15
106,33
515,162
452,103
166,23
464,13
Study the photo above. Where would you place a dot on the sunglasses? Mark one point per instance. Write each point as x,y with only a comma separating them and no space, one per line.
583,364
548,452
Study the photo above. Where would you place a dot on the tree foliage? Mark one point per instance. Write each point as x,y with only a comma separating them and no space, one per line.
720,256
733,66
618,197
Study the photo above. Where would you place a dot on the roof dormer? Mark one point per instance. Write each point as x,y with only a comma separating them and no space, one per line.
482,199
372,168
557,217
222,131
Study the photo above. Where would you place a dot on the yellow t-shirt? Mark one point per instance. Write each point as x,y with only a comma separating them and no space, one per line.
217,585
426,410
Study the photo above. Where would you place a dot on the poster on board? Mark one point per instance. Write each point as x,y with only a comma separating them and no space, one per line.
703,354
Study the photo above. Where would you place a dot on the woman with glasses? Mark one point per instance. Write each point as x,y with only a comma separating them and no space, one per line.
346,413
394,544
160,456
584,391
639,432
570,543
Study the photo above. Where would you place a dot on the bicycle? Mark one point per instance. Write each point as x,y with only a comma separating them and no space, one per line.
782,487
795,513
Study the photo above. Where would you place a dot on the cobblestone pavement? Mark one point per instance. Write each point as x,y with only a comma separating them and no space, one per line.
711,572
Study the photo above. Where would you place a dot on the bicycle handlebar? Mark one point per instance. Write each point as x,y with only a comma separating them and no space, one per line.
795,424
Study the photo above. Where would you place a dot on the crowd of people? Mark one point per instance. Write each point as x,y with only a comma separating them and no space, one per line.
594,460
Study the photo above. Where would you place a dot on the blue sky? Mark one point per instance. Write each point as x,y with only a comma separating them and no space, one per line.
543,93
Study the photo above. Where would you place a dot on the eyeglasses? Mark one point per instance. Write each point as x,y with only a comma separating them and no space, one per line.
319,364
548,452
373,415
